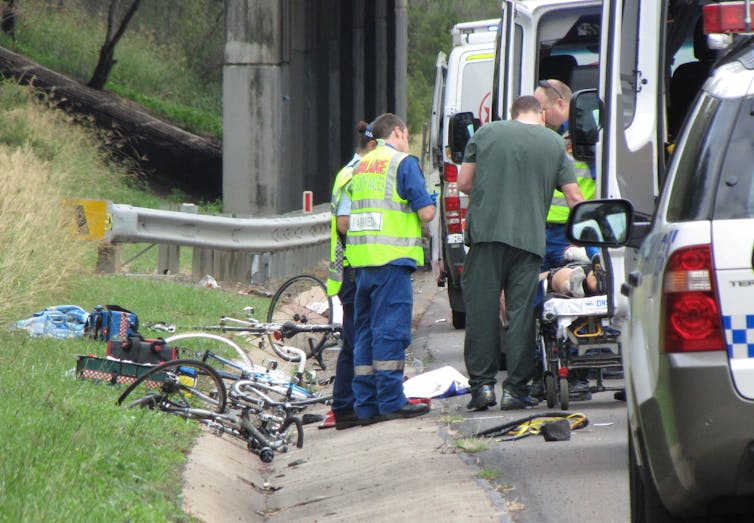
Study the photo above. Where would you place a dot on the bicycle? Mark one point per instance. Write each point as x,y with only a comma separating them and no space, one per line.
232,363
194,390
303,300
284,338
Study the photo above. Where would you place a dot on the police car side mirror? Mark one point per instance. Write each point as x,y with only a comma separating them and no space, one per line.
584,123
600,223
462,127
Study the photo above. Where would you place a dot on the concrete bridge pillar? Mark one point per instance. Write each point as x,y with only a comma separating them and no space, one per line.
298,75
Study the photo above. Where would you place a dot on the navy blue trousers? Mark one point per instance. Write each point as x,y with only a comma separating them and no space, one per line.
384,303
342,392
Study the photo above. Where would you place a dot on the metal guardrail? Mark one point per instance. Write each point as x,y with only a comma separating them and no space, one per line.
126,223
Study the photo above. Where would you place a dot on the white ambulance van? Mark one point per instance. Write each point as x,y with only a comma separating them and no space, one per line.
462,86
534,40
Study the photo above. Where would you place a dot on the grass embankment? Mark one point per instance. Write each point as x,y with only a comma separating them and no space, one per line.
68,452
175,72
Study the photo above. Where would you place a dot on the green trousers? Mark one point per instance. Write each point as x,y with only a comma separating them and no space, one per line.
488,269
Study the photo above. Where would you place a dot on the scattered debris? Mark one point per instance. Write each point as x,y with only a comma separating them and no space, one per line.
256,291
209,282
160,326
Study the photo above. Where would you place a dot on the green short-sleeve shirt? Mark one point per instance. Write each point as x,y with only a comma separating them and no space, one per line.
518,166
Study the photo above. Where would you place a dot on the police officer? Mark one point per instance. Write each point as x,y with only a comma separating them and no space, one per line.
341,281
389,201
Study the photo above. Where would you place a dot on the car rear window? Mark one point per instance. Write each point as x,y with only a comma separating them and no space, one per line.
701,153
735,193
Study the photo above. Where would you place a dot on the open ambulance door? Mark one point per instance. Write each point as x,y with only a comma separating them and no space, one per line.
436,160
500,74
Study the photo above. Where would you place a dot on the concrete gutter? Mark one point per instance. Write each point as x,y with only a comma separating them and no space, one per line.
402,470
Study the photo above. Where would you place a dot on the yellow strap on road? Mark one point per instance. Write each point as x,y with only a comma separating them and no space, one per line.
531,427
518,429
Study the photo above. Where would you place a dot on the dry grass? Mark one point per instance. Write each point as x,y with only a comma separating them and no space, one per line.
43,159
39,249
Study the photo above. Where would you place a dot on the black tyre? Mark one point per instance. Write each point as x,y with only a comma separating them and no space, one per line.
564,393
551,391
644,498
303,300
292,431
220,352
176,386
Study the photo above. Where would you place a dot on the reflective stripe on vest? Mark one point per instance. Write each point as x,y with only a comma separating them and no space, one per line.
382,225
337,247
558,212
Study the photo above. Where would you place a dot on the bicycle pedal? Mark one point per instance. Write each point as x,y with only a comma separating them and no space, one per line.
326,381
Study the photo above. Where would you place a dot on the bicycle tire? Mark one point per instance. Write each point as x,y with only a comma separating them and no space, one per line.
194,345
302,299
292,431
176,386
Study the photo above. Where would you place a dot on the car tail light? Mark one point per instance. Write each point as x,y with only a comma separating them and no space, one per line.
690,310
452,199
451,172
453,223
452,204
729,17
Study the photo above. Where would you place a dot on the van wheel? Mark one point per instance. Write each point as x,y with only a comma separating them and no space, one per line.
644,498
459,319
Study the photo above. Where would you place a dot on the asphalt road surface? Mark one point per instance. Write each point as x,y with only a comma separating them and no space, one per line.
581,480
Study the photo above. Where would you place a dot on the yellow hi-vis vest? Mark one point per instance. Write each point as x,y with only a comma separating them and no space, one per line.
337,242
382,226
559,208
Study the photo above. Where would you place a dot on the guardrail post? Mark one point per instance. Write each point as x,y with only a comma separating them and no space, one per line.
223,265
108,258
169,256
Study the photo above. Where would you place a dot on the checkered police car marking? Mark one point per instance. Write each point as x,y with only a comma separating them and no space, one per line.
739,335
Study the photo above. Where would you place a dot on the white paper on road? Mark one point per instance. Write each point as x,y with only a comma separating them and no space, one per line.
439,383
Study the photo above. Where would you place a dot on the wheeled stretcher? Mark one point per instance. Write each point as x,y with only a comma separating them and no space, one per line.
575,333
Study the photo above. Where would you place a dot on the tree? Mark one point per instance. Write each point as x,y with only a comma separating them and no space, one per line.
8,19
107,51
429,25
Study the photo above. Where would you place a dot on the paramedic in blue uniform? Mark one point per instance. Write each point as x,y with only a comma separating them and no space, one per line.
389,201
341,281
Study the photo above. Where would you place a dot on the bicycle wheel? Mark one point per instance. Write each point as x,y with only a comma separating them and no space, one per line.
177,387
220,352
292,431
303,300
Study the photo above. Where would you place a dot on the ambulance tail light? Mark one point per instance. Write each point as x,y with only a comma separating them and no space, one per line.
452,205
690,309
728,17
450,170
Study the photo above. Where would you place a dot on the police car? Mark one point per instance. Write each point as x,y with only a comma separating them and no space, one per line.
689,338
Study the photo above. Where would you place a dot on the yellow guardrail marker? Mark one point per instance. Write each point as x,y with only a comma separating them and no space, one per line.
91,218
